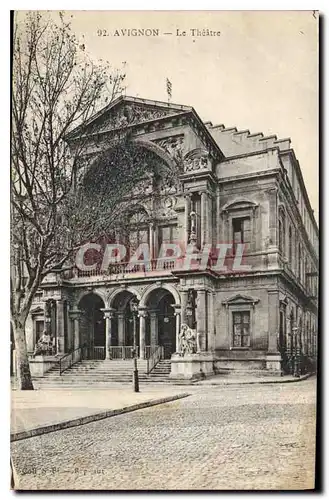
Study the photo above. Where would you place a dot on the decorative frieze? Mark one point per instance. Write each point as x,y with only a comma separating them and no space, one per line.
197,160
172,144
127,115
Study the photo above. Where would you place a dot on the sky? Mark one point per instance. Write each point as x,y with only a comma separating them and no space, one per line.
259,73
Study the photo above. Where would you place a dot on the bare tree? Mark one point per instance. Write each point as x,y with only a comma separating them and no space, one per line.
56,88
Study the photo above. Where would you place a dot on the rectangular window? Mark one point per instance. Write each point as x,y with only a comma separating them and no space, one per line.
39,327
136,238
241,329
241,231
167,234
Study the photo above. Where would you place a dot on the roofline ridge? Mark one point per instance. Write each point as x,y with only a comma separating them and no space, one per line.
154,101
266,137
229,129
255,134
246,131
220,125
284,139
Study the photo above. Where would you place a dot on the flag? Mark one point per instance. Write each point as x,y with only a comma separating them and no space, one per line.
169,88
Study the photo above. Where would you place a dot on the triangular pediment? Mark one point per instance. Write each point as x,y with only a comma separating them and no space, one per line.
37,310
240,299
126,112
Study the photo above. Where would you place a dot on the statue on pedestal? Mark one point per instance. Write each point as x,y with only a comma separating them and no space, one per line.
44,345
187,340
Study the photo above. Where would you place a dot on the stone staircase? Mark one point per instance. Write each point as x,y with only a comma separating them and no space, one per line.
161,371
94,373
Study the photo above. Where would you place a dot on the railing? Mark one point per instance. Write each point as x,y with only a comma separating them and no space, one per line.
122,268
148,350
70,359
97,352
155,354
122,352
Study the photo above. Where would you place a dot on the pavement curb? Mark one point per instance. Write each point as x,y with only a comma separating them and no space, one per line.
253,382
45,429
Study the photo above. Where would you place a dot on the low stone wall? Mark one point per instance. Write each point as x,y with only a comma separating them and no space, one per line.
39,365
192,366
247,360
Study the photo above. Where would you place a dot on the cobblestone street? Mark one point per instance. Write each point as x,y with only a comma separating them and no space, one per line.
241,437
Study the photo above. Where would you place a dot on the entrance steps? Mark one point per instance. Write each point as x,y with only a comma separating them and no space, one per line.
161,371
95,373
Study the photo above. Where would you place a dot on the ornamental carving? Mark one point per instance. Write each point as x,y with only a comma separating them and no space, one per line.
172,144
197,160
126,115
167,207
196,164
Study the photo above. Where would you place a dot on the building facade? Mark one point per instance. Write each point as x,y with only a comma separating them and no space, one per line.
215,186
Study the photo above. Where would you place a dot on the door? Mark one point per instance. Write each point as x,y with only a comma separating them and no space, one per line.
167,334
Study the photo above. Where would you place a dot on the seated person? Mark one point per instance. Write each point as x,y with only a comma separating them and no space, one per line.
44,344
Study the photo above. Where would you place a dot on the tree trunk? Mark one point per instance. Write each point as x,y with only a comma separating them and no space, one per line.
23,367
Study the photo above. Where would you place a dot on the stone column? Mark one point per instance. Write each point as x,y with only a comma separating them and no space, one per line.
155,242
177,313
184,296
288,335
187,218
273,320
219,224
75,316
108,315
154,326
142,328
211,322
204,216
201,313
209,221
121,328
60,341
47,316
151,240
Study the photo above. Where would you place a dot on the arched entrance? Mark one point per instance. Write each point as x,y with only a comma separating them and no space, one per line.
122,327
161,321
92,326
167,325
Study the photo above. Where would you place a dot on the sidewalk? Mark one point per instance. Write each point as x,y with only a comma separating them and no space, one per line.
38,412
237,379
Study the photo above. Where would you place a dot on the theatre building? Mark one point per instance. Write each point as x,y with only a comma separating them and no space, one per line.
214,185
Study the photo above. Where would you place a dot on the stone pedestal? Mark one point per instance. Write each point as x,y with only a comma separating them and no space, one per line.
192,366
41,364
273,362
